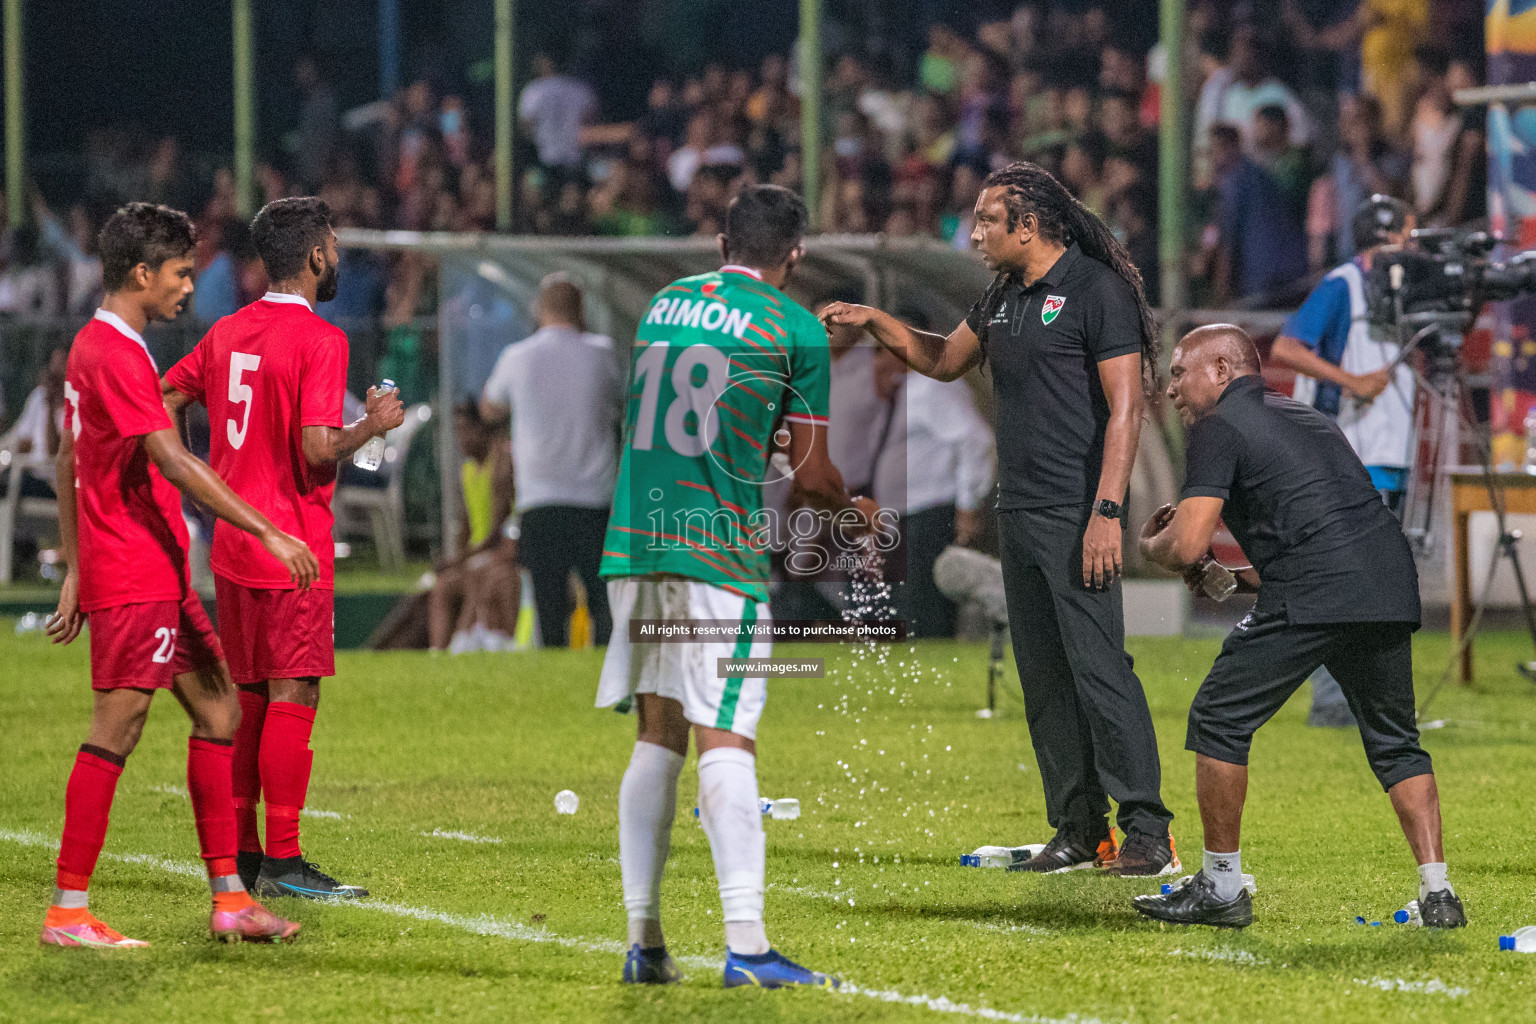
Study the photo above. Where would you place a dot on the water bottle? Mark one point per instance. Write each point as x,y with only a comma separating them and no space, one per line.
1523,941
785,808
371,455
566,802
31,622
1217,581
1408,915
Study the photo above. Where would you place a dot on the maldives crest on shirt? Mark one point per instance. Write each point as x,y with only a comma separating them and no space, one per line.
1053,304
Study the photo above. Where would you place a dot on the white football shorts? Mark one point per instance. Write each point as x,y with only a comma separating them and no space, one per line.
687,671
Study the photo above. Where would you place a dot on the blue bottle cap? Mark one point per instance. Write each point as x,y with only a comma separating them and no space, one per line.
1167,888
1400,916
695,812
1507,943
1375,924
969,861
1359,920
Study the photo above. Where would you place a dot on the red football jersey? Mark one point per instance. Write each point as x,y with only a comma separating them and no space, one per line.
266,372
133,541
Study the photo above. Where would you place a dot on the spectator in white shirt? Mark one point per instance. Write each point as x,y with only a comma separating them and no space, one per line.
562,389
1235,93
35,435
935,466
556,106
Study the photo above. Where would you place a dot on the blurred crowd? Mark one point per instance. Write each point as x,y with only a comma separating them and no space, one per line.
1300,109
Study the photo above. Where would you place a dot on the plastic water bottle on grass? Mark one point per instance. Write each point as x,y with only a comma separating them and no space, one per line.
371,455
1522,941
785,808
1408,915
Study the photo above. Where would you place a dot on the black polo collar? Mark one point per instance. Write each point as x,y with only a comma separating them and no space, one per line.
1248,383
1052,278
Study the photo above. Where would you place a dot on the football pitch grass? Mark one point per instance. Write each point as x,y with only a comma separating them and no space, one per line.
434,787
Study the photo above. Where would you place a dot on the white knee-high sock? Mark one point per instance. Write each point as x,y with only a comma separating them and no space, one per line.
729,812
647,805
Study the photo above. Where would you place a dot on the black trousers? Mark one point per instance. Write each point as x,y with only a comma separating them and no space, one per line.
1088,716
1266,658
925,535
555,540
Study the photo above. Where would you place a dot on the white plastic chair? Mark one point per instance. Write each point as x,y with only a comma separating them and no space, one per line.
14,508
385,506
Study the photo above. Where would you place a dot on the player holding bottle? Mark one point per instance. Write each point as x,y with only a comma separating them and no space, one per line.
273,376
718,359
120,465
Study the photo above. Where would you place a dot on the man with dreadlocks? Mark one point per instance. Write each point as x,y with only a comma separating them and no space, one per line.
1073,352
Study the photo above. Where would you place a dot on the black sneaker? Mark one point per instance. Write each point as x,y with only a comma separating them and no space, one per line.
1068,851
1195,902
295,876
248,865
1442,909
1144,854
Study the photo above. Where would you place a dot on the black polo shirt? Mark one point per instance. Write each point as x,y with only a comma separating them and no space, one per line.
1044,343
1302,506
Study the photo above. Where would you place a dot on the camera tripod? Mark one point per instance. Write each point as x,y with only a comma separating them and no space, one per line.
1435,448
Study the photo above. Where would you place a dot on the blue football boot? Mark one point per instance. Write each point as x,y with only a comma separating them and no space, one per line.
650,967
771,970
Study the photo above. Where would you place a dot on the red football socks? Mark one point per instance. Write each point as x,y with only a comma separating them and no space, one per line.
87,805
246,769
285,763
208,783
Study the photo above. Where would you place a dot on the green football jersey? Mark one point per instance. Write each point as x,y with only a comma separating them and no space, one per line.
721,360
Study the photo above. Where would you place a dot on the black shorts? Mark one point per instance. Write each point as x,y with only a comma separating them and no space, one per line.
1266,658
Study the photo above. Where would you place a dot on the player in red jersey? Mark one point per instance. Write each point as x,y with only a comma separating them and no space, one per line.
120,465
273,376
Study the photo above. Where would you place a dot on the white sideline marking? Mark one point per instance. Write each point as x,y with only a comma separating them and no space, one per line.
306,812
516,931
1432,987
467,837
1236,956
1009,929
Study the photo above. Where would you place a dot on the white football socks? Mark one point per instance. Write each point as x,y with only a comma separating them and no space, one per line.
1432,879
647,805
731,818
1225,870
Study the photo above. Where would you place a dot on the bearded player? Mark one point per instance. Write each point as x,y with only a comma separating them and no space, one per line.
120,465
273,376
718,359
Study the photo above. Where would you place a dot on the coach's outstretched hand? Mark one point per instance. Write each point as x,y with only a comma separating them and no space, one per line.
65,623
294,554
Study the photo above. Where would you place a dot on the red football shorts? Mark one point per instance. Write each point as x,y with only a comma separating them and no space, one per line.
276,634
145,646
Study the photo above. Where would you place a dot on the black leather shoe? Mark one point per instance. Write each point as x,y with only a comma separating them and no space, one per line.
1066,852
1442,909
1144,854
1195,902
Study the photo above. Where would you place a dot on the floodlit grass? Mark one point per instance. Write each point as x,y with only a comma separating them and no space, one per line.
897,777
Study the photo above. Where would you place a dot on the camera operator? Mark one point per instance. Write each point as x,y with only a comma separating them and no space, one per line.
1343,363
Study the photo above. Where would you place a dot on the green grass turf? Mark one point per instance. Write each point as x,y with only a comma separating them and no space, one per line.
897,777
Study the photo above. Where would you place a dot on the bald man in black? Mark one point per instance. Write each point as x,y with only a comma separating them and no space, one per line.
1336,586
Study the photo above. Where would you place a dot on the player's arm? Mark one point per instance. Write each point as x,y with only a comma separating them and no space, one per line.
1292,352
193,477
503,491
326,446
67,619
932,355
1179,538
173,398
817,482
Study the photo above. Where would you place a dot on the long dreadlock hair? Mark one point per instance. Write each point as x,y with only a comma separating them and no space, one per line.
1030,189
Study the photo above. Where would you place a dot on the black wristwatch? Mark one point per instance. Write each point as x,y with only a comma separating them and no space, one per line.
1106,508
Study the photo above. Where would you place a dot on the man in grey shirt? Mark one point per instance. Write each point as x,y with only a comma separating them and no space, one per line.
562,390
